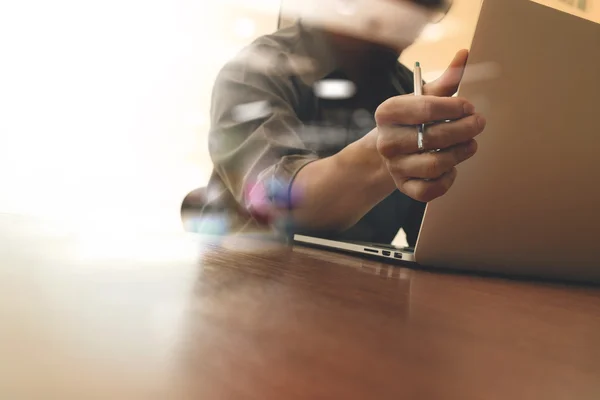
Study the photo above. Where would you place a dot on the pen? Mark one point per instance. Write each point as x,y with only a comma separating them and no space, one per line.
418,84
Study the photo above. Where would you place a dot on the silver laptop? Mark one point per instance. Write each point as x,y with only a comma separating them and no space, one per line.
528,202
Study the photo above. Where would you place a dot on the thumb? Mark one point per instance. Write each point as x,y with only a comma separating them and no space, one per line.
447,84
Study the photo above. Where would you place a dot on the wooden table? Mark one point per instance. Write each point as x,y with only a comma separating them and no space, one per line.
164,318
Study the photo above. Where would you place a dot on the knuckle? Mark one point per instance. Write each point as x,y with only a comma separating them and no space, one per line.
398,169
427,108
384,112
384,145
433,166
379,112
442,134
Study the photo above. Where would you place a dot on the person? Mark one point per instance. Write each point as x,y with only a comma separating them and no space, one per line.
313,131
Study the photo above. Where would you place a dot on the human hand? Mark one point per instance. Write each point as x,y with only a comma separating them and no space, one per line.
427,175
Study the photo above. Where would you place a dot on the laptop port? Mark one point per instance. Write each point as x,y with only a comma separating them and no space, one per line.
371,250
386,253
398,255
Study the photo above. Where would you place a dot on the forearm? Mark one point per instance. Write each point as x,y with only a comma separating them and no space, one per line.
337,191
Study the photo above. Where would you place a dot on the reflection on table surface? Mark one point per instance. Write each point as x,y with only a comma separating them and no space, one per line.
167,317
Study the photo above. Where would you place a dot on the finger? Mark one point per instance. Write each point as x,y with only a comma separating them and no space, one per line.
446,134
432,165
414,110
447,84
426,191
398,140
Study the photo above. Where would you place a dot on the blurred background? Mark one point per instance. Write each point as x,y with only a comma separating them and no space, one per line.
104,104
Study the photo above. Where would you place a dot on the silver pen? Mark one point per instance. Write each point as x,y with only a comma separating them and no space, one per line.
418,84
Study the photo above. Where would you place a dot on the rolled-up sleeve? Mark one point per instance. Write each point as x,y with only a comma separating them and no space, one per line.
255,138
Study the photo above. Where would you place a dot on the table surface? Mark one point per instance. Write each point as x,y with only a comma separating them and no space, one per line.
241,318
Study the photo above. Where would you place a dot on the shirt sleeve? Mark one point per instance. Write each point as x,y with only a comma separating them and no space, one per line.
255,138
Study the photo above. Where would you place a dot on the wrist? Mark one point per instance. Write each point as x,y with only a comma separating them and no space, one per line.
363,160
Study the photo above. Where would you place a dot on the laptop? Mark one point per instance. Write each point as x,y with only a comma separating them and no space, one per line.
528,203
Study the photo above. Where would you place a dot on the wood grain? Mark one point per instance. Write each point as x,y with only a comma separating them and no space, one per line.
247,319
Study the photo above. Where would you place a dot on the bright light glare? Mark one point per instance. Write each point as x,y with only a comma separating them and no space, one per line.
433,33
244,27
335,89
153,249
105,106
251,111
393,23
